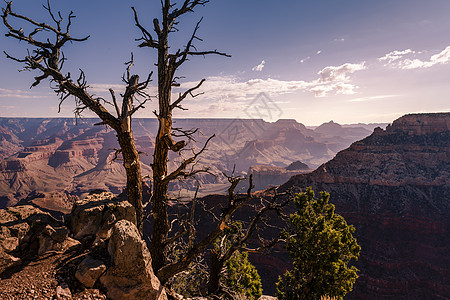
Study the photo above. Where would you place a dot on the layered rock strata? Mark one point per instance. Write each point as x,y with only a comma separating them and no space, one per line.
394,187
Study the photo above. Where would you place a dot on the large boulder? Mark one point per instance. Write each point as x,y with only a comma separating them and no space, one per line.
131,275
89,270
96,214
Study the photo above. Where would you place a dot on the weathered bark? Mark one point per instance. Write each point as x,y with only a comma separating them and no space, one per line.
133,170
215,267
160,157
159,206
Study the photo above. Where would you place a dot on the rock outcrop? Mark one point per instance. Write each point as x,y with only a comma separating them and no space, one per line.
268,176
27,231
89,271
394,187
109,251
131,275
96,214
56,203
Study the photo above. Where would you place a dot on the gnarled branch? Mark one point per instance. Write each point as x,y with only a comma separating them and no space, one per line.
180,170
147,38
181,97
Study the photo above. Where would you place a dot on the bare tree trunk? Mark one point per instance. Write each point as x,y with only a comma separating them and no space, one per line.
159,205
133,170
216,265
160,157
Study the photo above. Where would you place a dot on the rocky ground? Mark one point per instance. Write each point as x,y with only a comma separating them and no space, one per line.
98,246
95,253
43,279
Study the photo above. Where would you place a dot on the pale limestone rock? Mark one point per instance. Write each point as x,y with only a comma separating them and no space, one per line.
89,270
46,244
30,214
131,275
63,292
10,244
19,230
55,239
6,217
96,214
7,260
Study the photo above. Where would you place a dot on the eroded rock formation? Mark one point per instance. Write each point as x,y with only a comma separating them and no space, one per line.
131,275
394,187
268,176
58,155
27,231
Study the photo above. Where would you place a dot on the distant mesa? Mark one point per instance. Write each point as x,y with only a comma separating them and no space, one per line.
268,176
327,127
421,124
297,165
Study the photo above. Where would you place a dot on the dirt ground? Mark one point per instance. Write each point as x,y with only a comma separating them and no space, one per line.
44,278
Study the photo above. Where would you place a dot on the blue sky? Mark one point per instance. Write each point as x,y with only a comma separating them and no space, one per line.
347,61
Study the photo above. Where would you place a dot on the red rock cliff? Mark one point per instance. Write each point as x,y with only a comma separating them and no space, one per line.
394,187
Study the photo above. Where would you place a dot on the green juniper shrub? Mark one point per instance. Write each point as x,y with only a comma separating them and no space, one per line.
321,245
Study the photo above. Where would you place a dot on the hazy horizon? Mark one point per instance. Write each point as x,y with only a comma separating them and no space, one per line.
352,62
204,118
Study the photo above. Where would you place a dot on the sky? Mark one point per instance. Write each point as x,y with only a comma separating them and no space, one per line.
349,61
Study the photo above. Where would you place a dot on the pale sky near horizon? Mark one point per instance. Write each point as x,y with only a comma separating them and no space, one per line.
349,61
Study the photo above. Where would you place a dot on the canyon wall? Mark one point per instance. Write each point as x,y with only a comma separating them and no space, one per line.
394,187
68,155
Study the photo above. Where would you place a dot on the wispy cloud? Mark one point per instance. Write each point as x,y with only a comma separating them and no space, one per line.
378,97
332,79
395,55
396,59
7,93
259,67
340,88
340,73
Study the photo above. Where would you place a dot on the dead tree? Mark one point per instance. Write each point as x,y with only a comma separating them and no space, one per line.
168,64
47,58
237,241
222,222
